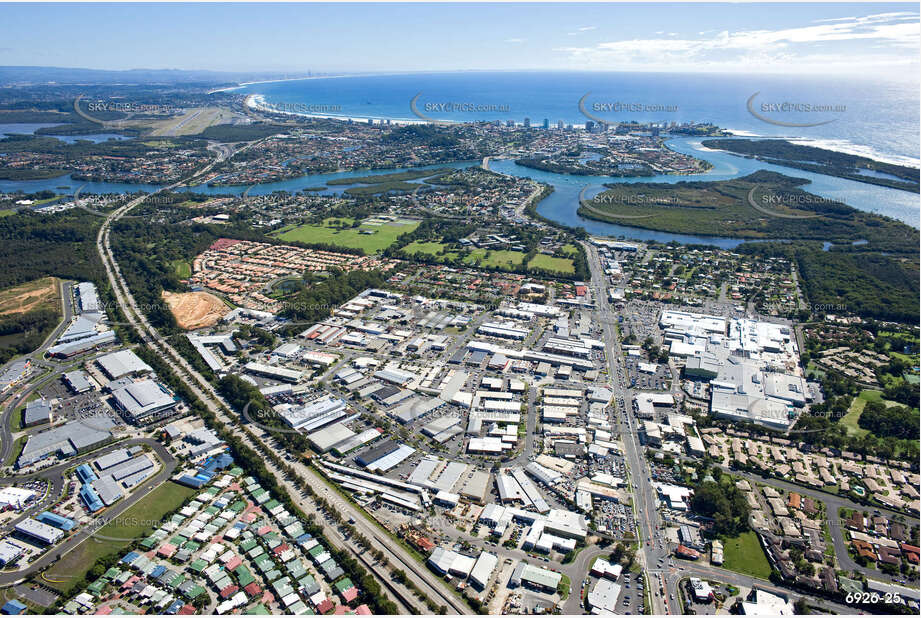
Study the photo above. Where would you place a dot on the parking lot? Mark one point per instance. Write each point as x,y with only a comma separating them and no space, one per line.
630,602
658,380
77,407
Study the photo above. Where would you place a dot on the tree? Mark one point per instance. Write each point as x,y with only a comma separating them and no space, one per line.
724,504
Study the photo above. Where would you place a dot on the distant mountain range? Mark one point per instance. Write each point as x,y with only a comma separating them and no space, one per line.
26,76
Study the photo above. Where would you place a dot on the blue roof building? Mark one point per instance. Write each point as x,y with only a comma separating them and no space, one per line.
130,557
53,519
13,608
86,474
90,498
191,481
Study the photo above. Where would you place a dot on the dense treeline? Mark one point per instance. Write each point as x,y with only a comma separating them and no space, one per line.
823,161
146,252
822,428
737,208
30,329
904,393
30,174
241,132
18,116
85,148
869,285
548,165
423,134
884,421
723,503
63,244
317,300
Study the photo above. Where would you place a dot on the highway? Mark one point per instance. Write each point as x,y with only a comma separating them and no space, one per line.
396,555
653,546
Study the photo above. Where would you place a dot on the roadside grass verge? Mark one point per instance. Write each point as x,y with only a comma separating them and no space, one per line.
138,521
17,450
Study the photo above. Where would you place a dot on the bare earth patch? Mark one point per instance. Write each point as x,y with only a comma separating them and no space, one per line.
39,294
195,309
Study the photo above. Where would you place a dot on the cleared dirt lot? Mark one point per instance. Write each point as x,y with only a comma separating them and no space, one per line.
39,294
195,309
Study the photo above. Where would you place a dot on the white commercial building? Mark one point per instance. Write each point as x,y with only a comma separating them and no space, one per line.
602,598
483,569
449,562
763,603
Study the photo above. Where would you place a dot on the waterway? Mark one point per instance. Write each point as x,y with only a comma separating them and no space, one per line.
31,127
562,204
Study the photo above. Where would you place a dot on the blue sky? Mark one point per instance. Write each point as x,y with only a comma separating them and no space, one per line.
802,38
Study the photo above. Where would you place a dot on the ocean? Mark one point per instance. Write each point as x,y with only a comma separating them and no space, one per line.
878,120
870,118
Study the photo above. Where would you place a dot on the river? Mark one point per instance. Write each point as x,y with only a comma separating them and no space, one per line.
562,204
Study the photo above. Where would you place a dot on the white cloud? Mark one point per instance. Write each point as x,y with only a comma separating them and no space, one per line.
515,40
873,40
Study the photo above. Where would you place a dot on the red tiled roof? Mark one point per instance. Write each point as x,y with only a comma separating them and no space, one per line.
223,243
233,563
280,549
350,594
325,606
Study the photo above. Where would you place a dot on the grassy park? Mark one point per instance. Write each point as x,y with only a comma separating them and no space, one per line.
743,554
339,231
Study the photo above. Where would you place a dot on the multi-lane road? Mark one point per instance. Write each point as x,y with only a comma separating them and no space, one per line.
653,547
395,554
